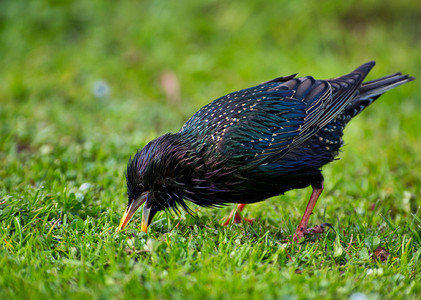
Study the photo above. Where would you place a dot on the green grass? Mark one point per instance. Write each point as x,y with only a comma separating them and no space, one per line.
63,150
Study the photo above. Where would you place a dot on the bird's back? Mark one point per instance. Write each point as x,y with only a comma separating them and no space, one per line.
277,135
266,121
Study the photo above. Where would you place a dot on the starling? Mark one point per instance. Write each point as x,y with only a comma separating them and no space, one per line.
251,145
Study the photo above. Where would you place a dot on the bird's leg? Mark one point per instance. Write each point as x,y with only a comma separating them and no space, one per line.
237,217
302,227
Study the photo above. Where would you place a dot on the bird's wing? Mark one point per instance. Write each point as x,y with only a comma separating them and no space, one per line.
277,120
264,122
325,99
233,125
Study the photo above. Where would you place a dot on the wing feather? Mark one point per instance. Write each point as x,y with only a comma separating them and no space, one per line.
261,124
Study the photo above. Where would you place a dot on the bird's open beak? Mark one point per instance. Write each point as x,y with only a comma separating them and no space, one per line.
128,214
146,216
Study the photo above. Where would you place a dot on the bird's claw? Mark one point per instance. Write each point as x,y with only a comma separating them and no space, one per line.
319,228
238,219
248,220
300,232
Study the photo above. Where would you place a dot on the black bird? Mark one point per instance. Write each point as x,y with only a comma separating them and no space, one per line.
251,145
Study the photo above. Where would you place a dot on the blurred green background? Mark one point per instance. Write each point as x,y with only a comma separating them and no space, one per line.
84,84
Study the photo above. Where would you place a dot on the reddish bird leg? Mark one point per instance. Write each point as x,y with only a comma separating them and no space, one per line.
237,217
302,227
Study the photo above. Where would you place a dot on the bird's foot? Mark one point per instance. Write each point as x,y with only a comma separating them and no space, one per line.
301,232
237,219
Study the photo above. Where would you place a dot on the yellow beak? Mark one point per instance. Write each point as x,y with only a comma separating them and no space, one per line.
128,214
145,218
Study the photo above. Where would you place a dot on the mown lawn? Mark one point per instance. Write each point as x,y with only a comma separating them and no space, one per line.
84,84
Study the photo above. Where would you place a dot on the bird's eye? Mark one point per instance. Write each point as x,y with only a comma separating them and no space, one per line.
140,187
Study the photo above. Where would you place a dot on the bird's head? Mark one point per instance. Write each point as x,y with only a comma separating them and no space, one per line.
150,178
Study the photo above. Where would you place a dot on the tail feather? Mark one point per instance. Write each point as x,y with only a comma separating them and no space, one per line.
344,89
371,90
379,86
